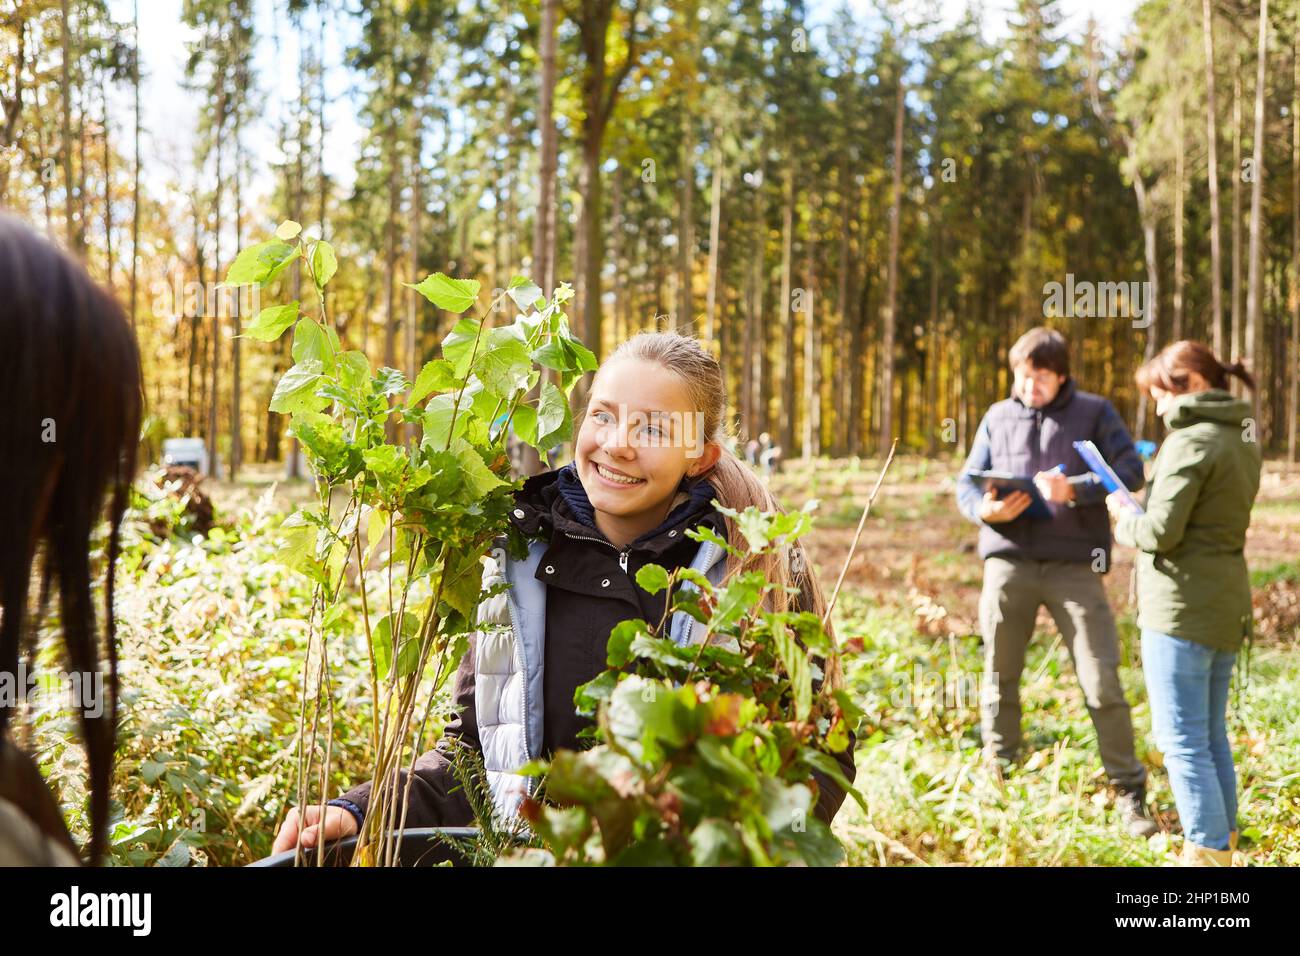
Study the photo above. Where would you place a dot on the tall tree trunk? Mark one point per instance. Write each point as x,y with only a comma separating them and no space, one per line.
65,147
135,172
1255,276
715,235
619,238
752,414
811,350
686,226
889,316
1294,364
786,438
1147,214
932,363
1234,349
297,192
544,223
236,321
11,108
1211,139
214,397
840,444
600,91
1178,224
108,190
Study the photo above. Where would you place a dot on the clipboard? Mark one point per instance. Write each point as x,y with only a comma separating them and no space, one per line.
1092,458
1003,483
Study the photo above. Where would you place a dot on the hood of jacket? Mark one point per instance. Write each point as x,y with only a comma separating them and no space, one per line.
555,501
1214,405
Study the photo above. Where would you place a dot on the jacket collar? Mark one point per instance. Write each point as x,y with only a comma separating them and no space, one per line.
555,502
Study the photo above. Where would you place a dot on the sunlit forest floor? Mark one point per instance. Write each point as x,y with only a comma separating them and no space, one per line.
213,635
908,617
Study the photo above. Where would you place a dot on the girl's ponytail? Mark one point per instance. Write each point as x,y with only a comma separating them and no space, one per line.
1170,370
1238,370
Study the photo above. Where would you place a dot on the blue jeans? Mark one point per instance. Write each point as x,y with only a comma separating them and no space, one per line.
1187,686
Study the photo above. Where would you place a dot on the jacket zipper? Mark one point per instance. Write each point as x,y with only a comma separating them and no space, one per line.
622,554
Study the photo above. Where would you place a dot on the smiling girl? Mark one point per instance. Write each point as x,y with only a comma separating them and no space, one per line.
649,461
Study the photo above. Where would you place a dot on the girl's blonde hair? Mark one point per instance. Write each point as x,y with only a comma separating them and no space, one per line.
736,484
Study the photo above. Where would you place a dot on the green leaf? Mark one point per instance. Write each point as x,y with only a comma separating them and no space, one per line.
618,647
462,583
438,415
387,463
554,355
587,697
376,530
436,376
525,292
644,710
708,534
272,321
390,381
259,264
554,420
311,341
323,263
478,478
322,437
288,230
698,578
716,752
504,365
736,599
652,578
795,661
407,654
715,842
458,346
525,424
296,390
453,295
354,369
586,360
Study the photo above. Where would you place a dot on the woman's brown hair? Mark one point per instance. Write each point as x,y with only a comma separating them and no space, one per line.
1171,369
736,484
70,400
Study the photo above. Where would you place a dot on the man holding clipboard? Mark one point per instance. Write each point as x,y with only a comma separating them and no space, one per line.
1045,540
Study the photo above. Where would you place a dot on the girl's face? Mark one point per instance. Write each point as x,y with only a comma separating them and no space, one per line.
641,435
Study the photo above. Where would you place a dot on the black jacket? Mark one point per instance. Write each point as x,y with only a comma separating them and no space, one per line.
581,610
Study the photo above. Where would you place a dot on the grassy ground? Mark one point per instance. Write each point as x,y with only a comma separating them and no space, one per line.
213,647
908,611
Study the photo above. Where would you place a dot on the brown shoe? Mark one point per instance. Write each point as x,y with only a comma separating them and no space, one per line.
1195,855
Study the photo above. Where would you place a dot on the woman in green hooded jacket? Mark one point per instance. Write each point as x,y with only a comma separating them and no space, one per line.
1193,587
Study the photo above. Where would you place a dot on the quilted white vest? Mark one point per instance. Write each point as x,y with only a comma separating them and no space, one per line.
509,655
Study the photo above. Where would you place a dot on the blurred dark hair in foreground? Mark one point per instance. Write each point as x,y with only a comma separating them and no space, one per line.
70,400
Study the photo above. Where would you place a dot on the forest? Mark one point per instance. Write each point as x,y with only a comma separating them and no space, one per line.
859,215
371,251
